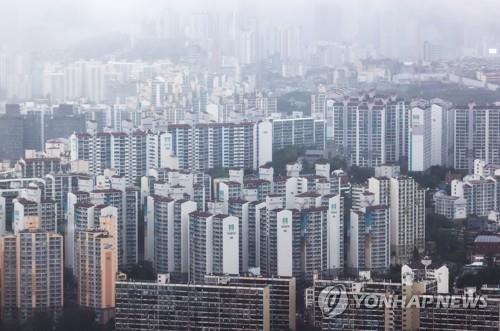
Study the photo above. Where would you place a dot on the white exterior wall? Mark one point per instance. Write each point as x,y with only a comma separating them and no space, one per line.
274,202
266,174
149,231
322,169
387,171
152,146
329,119
73,147
230,245
460,209
291,190
374,187
209,245
457,188
17,221
442,275
171,236
187,208
417,162
236,175
394,214
69,237
353,254
419,158
284,225
479,167
264,148
257,231
3,225
293,170
244,235
167,153
335,232
438,146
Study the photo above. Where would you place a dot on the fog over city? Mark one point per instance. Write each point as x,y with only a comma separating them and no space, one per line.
389,26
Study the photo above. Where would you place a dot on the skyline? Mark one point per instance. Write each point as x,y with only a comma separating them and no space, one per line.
239,165
44,26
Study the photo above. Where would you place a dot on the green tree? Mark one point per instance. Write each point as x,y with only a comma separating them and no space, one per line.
337,162
432,177
77,319
360,175
142,271
218,172
282,157
488,275
39,322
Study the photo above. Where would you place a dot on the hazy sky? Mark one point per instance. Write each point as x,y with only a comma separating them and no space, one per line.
40,23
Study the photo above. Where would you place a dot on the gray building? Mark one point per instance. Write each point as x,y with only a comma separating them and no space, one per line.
164,306
281,296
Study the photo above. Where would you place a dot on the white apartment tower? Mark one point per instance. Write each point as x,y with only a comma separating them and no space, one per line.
335,231
419,157
476,132
441,134
213,245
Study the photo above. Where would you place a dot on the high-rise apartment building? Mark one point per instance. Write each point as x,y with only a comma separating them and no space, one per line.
369,245
167,227
279,243
214,245
200,244
407,218
95,257
239,208
369,132
359,132
126,201
206,146
406,202
334,204
129,154
195,147
57,187
31,273
419,148
480,194
300,132
315,240
318,105
39,167
80,216
256,211
476,132
158,92
442,133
